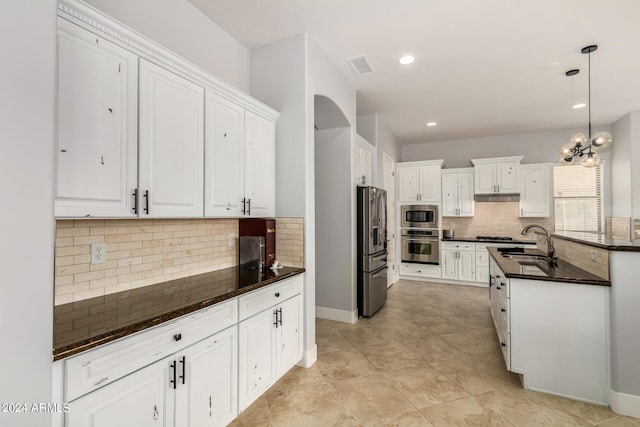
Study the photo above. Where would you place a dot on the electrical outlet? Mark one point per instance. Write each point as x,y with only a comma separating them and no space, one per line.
594,255
232,239
98,253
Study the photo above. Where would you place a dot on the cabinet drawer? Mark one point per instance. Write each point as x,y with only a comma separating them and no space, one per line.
259,300
460,246
95,368
482,258
419,270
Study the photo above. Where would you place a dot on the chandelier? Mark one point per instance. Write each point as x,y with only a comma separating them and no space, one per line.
581,146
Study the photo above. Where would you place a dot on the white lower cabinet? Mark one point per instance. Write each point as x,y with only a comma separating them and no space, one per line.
458,261
197,371
270,343
207,381
193,388
138,400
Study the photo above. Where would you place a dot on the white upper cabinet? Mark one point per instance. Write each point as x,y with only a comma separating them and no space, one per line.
224,157
419,181
363,159
131,130
535,190
457,192
259,166
497,175
171,144
239,161
96,171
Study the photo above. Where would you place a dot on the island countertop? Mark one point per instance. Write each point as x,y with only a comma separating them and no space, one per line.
85,324
562,271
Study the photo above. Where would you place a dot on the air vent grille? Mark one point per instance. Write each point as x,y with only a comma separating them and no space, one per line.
360,64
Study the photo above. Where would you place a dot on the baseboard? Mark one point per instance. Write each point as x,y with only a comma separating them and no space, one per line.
343,316
309,357
624,404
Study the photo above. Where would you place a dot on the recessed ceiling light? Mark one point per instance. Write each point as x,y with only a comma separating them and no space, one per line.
431,124
406,60
580,105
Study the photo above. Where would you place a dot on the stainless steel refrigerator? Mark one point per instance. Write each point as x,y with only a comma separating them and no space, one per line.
372,250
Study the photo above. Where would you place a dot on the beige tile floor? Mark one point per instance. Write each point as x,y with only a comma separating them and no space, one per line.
430,357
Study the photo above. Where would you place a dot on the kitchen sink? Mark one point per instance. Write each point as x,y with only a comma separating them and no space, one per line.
525,257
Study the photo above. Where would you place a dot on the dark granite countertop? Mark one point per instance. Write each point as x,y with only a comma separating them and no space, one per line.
476,240
542,270
599,241
82,325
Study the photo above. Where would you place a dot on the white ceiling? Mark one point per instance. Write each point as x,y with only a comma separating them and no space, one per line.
483,67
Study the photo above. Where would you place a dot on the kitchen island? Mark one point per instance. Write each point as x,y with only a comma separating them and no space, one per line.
552,321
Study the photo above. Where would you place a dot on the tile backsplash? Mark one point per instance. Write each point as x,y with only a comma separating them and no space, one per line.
495,219
580,256
145,252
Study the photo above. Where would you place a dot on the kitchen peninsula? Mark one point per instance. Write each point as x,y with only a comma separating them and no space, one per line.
552,321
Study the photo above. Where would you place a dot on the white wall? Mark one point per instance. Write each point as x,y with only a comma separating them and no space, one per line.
286,75
621,165
279,79
375,131
182,28
27,129
625,178
537,147
325,80
333,219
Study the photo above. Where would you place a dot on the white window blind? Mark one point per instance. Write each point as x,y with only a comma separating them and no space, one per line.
577,195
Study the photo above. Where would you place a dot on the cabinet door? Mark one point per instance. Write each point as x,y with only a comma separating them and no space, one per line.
485,178
224,157
408,183
466,202
141,399
449,194
256,355
97,147
259,166
171,143
363,159
535,195
449,264
208,396
430,183
507,177
289,349
466,266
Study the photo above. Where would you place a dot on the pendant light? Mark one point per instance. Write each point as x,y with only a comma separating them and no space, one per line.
581,146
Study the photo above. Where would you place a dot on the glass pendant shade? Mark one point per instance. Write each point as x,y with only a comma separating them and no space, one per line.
566,150
601,140
579,139
590,160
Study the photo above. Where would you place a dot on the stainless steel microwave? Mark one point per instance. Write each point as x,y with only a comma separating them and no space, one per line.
419,216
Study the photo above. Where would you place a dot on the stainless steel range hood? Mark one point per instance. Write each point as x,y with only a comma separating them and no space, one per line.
503,197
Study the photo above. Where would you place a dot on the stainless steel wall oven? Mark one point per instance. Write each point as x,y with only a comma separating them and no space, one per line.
420,246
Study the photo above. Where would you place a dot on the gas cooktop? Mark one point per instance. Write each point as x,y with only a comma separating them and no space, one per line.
507,239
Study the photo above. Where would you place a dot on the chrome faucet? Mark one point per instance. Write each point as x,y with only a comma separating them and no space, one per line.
551,252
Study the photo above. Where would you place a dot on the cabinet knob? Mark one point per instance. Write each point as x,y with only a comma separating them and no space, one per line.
503,344
502,310
177,337
277,294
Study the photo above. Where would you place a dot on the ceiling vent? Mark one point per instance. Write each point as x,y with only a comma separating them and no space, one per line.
360,64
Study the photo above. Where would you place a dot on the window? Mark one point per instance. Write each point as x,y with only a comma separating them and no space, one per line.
577,196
